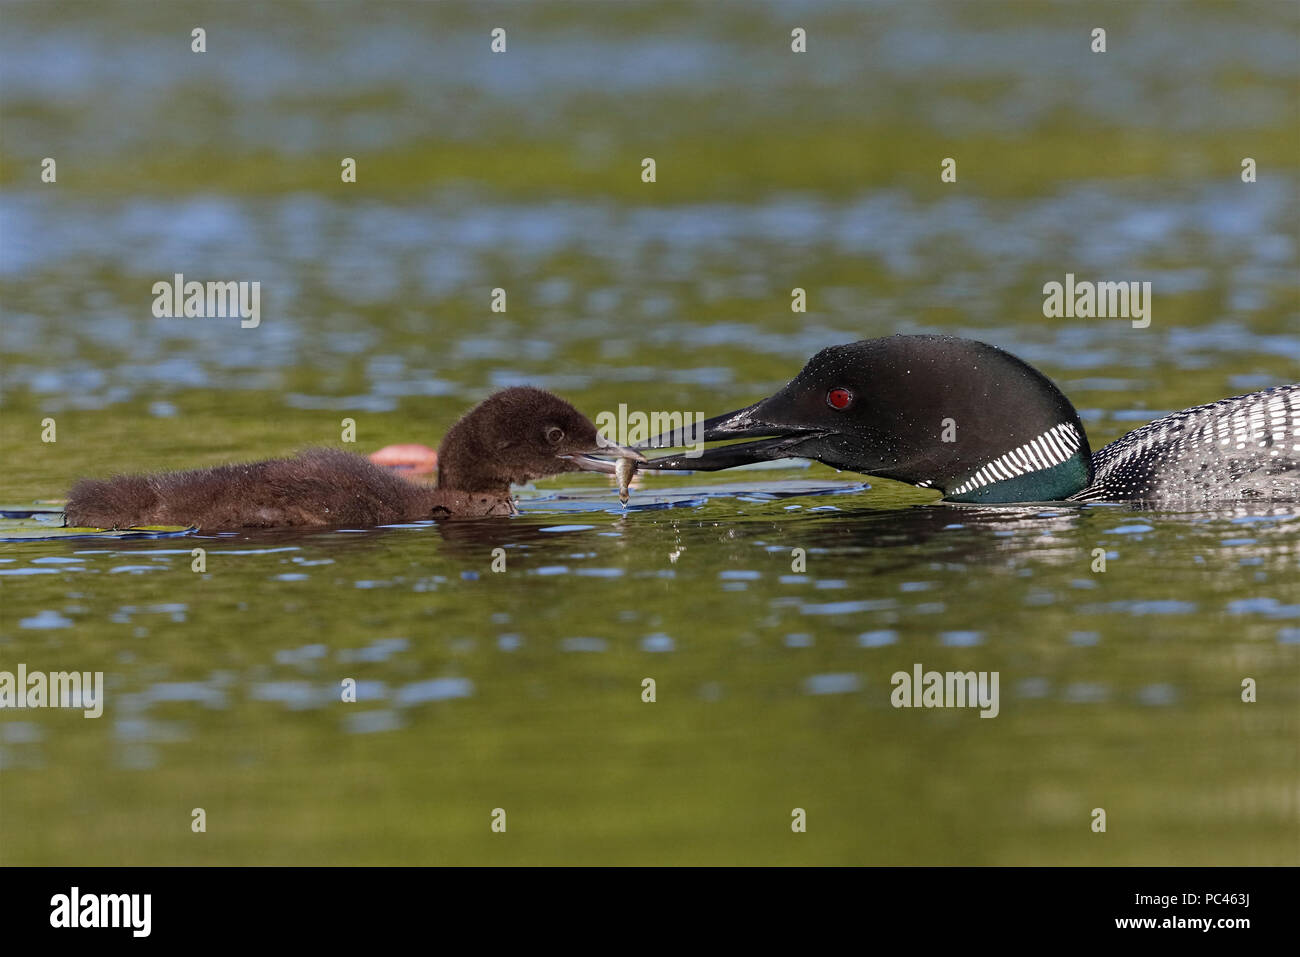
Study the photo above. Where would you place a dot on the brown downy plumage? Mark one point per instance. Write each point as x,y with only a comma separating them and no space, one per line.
512,437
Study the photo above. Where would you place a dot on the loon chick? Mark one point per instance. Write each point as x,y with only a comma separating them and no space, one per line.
514,436
980,425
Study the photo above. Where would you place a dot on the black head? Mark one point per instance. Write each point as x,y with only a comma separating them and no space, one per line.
517,435
936,411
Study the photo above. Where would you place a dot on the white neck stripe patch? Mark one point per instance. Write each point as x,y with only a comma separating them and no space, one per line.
1053,447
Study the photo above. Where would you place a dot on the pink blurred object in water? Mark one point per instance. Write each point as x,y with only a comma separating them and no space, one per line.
409,458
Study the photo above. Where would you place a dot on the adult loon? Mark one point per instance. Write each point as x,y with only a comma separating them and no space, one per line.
980,425
514,436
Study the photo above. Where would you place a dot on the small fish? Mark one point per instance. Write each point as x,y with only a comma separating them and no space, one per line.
624,469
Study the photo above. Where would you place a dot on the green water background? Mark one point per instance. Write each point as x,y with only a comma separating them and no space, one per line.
522,690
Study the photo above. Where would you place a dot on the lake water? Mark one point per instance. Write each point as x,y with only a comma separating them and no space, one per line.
522,689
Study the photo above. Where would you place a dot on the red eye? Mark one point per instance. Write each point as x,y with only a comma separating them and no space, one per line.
839,398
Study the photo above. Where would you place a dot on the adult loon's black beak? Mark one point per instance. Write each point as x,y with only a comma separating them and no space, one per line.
781,442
